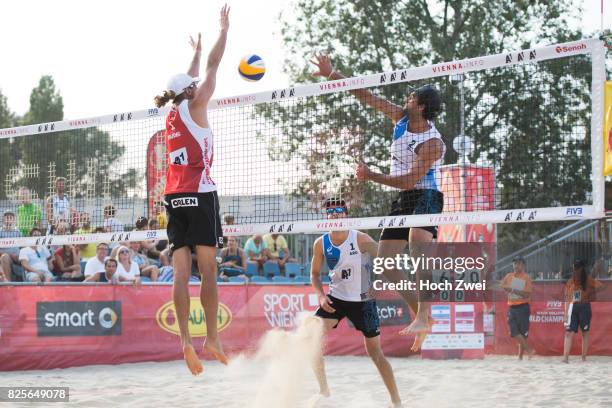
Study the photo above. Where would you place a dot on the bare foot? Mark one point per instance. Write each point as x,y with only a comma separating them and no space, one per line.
530,353
192,360
214,346
317,400
420,337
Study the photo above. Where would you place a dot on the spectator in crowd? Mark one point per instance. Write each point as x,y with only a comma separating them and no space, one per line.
141,223
256,251
111,224
95,266
68,263
37,261
87,250
579,292
61,228
159,214
29,215
517,284
57,207
278,250
110,269
127,269
149,246
147,268
228,219
233,260
160,244
9,257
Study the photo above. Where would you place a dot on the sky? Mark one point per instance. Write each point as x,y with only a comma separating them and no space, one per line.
115,56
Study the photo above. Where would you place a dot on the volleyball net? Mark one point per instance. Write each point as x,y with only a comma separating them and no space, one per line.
526,124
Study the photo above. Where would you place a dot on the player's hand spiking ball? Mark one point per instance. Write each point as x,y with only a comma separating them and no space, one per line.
323,63
363,172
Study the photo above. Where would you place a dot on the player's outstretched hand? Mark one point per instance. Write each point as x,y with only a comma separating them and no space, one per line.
197,46
224,19
323,63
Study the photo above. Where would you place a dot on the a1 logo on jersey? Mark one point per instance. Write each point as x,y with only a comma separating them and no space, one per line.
346,273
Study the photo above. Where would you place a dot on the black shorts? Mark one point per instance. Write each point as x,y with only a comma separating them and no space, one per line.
363,315
580,316
518,320
413,202
193,219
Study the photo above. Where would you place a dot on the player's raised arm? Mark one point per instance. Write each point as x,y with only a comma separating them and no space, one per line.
326,70
207,88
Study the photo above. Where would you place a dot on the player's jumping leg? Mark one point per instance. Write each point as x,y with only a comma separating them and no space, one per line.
181,262
207,266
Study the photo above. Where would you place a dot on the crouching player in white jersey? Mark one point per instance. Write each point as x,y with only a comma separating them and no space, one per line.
346,254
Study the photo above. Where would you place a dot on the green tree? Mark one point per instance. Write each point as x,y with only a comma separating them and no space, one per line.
528,122
91,152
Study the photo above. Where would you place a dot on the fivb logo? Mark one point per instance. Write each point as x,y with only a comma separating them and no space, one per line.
574,212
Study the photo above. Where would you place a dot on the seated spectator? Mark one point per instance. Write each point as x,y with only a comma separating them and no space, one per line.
29,215
87,250
256,251
37,261
111,224
160,244
110,269
233,260
141,223
95,266
62,228
127,269
68,263
9,257
147,268
278,250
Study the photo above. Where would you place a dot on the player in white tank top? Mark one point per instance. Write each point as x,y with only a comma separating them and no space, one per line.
346,254
414,164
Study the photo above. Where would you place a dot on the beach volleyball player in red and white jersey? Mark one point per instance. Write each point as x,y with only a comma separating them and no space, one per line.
191,198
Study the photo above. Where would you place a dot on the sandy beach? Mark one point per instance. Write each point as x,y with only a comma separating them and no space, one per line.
493,382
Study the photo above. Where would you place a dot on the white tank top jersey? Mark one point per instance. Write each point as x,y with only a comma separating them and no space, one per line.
349,269
61,208
403,153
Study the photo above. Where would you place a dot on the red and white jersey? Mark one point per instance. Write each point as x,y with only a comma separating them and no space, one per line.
190,153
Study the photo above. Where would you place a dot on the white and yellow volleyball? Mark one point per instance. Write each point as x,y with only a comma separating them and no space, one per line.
252,68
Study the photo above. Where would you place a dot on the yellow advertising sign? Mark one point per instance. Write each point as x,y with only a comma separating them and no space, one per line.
166,318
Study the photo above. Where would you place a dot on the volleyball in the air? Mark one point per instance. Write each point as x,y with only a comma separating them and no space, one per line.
252,68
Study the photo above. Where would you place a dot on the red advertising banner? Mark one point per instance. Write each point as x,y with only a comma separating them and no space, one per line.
43,327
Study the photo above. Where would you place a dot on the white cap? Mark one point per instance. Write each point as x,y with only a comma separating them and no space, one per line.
179,82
